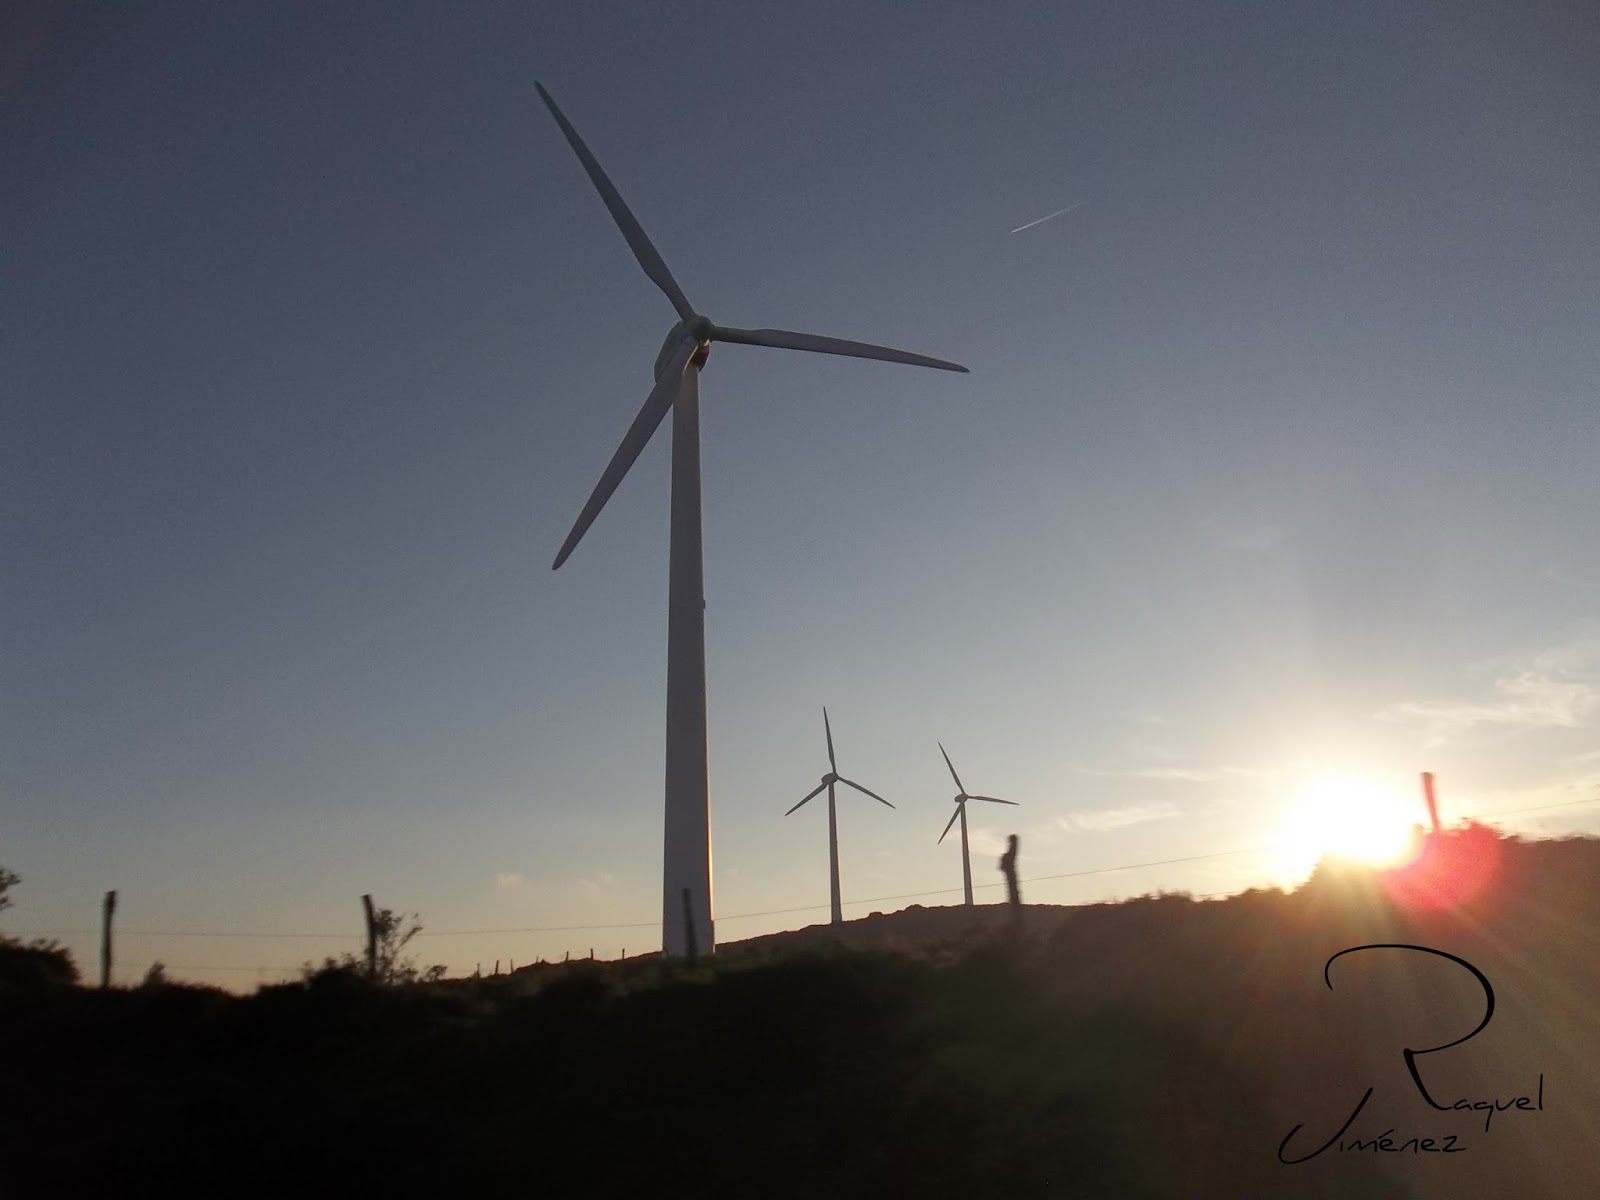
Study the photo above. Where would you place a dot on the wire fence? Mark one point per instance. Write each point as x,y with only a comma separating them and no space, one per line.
654,923
345,935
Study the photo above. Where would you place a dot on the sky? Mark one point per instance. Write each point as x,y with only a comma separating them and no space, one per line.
1272,484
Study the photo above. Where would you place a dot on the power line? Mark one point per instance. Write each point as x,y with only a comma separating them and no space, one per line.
637,924
219,967
773,912
536,929
1033,879
1508,812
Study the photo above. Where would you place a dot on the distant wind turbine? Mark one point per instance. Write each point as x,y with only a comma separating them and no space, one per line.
1052,216
828,780
686,921
961,814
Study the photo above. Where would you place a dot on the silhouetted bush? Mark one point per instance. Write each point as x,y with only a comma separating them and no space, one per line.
393,933
35,966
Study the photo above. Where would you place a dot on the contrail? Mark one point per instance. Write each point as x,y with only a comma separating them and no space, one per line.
1042,220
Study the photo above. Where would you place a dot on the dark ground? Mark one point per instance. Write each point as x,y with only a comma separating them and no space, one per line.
1155,1048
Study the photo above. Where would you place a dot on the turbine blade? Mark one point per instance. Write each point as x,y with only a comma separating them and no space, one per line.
784,339
655,407
864,791
953,817
992,800
953,774
813,792
833,766
637,241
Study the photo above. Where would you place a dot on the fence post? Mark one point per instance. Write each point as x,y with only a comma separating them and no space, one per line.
108,909
1008,865
1433,802
372,937
691,951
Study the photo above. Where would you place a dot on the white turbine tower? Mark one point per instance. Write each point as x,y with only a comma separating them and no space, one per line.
828,780
686,884
961,812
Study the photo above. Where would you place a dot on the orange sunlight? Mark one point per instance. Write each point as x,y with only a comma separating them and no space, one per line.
1347,817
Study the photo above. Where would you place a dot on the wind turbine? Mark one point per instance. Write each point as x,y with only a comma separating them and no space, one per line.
686,922
828,780
961,812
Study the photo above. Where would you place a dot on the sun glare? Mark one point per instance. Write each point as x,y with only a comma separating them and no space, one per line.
1345,817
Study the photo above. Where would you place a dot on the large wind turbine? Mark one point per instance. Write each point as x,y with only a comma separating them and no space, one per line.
686,884
961,812
828,780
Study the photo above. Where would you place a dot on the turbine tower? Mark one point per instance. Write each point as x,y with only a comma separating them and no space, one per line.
686,921
828,780
961,813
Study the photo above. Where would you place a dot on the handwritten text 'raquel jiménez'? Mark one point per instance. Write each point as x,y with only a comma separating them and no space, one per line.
1446,1144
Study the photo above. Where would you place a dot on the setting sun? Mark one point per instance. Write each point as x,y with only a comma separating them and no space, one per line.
1345,817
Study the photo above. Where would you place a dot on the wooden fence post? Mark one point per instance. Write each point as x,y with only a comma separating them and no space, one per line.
107,911
691,951
1433,801
1008,865
372,937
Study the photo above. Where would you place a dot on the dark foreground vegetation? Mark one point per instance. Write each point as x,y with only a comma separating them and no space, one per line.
1155,1048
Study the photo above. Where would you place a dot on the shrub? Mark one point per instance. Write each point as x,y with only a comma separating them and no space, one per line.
35,966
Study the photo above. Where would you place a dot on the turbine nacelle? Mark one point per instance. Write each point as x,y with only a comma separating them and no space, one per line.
694,328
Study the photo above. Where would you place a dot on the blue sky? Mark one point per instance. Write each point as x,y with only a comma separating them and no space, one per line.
1276,461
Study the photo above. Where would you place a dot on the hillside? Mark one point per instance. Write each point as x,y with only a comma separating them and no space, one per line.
1160,1047
912,926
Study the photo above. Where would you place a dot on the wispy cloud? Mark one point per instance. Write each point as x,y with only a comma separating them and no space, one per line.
1563,576
1100,820
1154,774
597,882
984,842
1253,539
1247,535
1556,689
1144,716
508,881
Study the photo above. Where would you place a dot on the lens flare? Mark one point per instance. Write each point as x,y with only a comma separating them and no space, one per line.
1343,816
